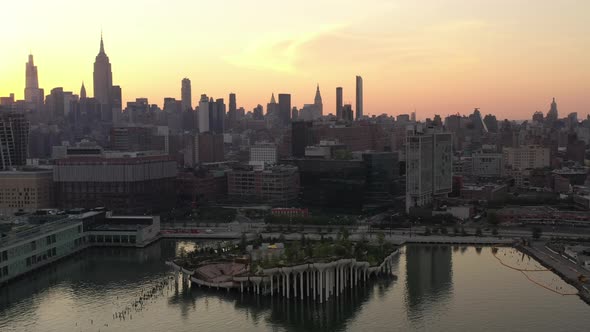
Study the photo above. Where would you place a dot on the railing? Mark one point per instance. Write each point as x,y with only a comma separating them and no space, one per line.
14,237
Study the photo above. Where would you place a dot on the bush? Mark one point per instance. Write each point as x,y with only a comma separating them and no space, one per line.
536,233
478,232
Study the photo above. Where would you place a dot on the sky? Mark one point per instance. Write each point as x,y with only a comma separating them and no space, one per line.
506,57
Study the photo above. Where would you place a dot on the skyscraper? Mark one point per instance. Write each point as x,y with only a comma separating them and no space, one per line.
359,97
186,95
204,114
285,108
231,112
319,106
220,116
553,115
33,95
339,103
103,77
82,92
14,139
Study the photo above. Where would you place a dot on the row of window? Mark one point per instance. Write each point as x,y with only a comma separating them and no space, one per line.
37,259
111,239
4,272
4,256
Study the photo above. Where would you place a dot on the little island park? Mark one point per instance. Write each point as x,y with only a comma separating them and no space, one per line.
315,269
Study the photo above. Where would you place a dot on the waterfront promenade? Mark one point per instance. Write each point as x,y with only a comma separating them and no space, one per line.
560,265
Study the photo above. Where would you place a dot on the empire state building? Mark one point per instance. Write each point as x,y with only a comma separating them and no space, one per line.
103,77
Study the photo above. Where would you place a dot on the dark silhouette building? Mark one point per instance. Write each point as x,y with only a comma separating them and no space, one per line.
14,139
285,108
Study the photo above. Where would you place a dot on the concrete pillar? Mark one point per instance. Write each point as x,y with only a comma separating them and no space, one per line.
272,288
241,287
321,289
313,283
295,285
337,277
284,283
350,281
301,284
288,286
308,282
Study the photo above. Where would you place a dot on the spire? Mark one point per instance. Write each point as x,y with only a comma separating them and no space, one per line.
272,99
318,96
101,44
83,91
31,58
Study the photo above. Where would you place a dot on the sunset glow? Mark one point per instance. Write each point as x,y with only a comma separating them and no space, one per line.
506,57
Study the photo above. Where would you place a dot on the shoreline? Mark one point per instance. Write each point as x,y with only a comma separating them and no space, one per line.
583,294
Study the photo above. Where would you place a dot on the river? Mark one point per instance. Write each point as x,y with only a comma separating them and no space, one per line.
439,288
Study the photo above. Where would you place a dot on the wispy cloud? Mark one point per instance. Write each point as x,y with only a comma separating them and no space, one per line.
278,53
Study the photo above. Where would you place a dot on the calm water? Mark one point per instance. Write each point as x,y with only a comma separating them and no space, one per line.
440,288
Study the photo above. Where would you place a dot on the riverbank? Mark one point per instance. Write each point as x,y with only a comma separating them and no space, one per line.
558,265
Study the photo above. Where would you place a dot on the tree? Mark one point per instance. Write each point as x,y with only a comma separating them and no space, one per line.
282,238
456,230
537,232
478,232
427,231
444,231
495,231
302,240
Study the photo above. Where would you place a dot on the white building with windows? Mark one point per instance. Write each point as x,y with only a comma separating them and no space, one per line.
429,167
264,152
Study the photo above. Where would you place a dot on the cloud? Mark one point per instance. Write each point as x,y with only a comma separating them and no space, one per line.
278,53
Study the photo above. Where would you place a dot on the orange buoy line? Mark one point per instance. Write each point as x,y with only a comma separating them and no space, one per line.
550,289
518,269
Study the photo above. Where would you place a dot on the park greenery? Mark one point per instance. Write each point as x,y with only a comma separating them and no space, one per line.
297,252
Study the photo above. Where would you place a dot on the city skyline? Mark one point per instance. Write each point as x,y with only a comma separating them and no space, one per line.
453,58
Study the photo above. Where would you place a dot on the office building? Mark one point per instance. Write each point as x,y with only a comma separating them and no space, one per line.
339,103
487,164
359,97
264,152
285,108
103,77
204,114
277,185
526,157
318,105
347,113
186,95
302,136
33,95
25,190
14,140
122,181
428,167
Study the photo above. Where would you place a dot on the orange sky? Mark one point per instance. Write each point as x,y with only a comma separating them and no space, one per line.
507,57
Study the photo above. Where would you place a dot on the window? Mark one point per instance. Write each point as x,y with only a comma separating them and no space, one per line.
132,238
33,245
4,255
28,261
5,271
53,252
53,238
48,240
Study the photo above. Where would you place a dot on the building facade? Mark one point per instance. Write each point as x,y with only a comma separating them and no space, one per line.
526,157
428,167
126,182
14,140
278,185
25,190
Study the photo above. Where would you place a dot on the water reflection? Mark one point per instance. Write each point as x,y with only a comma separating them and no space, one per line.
429,278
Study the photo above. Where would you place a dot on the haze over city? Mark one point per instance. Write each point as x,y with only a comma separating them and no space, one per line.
508,58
